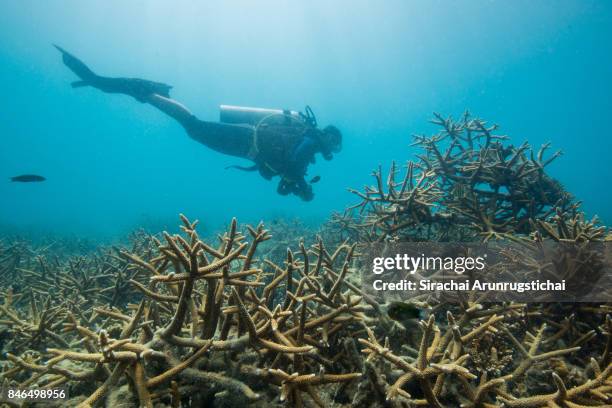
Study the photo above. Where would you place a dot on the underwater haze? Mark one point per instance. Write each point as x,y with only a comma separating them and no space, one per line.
376,70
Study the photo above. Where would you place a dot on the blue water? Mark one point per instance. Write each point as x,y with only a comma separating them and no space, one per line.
377,70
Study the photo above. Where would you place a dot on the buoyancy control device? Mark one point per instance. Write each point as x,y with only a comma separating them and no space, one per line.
277,133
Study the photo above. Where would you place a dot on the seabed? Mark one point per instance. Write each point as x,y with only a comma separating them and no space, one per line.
262,317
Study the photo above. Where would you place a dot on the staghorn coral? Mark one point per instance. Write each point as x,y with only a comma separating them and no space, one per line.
252,319
467,183
199,306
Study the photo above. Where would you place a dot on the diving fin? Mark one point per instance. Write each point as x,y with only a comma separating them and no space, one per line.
76,65
138,88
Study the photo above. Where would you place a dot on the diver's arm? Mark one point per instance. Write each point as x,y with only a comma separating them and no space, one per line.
304,152
299,160
298,166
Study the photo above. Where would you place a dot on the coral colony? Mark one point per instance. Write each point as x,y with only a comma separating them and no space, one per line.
177,320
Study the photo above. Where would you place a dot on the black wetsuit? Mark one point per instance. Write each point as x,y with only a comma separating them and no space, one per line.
287,155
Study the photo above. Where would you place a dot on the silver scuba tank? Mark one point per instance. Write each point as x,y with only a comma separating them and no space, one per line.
253,116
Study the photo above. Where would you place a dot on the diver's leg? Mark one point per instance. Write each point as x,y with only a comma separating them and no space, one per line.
172,108
234,140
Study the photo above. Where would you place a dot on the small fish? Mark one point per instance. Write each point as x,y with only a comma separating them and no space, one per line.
315,179
403,312
28,178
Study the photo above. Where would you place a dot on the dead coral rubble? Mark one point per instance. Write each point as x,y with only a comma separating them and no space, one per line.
232,323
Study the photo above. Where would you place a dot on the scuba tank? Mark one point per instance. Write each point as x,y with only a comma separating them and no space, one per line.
251,116
276,134
254,116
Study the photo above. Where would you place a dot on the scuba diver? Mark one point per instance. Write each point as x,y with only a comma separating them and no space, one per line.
279,142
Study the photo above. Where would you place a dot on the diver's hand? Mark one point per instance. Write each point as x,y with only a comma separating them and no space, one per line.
284,187
303,190
300,189
306,195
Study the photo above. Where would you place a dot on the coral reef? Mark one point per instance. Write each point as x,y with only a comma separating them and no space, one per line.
466,183
178,320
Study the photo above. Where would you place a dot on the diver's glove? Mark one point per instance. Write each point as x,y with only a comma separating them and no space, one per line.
306,194
284,187
300,189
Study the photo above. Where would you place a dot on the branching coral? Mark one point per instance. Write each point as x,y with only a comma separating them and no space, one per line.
215,302
466,183
179,320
